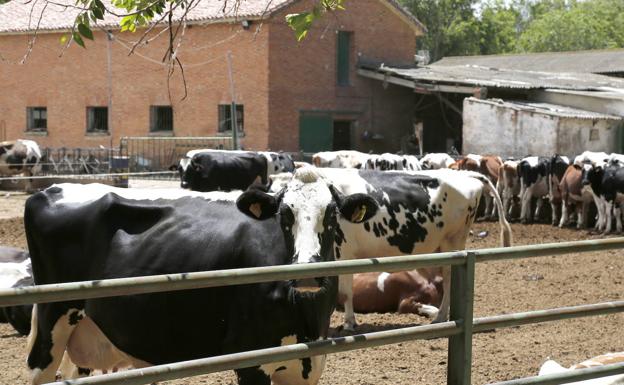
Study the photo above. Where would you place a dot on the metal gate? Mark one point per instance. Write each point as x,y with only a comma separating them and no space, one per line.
155,153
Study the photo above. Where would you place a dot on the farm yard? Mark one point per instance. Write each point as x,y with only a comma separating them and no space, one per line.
501,287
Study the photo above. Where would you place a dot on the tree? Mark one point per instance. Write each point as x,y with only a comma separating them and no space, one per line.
498,28
451,24
570,26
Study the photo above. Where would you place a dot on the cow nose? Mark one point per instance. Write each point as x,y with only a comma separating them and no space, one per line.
310,285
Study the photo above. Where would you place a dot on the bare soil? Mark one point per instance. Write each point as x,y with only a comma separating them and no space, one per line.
501,287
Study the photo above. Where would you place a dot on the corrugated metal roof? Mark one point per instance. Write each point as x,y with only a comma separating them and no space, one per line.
471,75
593,61
546,108
23,15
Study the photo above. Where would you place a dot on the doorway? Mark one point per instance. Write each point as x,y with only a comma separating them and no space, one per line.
342,135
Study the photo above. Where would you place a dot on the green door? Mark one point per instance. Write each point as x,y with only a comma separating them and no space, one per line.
315,132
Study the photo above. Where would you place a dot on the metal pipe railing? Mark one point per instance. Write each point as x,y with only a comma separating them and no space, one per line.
265,356
195,280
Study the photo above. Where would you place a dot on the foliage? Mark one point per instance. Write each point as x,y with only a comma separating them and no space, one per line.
452,26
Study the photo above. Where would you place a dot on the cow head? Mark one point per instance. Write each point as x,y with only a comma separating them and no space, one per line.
308,209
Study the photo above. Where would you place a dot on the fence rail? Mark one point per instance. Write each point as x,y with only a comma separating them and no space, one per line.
458,330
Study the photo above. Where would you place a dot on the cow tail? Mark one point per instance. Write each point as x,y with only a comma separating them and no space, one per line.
506,236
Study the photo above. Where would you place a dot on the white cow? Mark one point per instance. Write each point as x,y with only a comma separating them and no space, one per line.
552,367
340,159
436,161
588,160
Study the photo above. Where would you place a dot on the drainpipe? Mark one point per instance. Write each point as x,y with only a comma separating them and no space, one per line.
109,86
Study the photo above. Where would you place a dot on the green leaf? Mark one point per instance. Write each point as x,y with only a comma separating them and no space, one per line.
78,39
85,31
98,13
63,39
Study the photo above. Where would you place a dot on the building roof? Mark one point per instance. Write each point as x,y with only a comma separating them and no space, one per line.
603,61
478,76
546,109
19,16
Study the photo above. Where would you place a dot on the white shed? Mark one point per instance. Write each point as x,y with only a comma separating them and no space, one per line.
518,128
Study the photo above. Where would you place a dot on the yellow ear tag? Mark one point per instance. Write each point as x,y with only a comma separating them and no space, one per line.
359,215
256,209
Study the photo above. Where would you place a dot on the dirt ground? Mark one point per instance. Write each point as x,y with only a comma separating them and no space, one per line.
501,287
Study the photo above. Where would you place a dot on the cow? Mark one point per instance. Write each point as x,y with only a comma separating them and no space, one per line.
574,195
340,159
401,292
420,212
95,232
213,170
489,166
15,271
392,162
556,168
552,367
436,161
508,186
533,174
20,156
607,182
588,160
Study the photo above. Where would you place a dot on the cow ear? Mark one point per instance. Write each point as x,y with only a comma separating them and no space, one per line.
356,208
258,204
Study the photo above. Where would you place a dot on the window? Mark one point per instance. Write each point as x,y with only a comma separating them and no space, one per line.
161,118
225,117
342,57
37,118
97,119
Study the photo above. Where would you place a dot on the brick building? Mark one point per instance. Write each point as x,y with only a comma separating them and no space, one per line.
291,95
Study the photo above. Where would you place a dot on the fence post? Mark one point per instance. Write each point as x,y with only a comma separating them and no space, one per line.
459,368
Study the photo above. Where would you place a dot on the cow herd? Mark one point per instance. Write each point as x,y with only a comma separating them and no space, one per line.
573,187
239,209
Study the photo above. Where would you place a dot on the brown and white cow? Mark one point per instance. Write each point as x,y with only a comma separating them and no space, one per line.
489,166
508,186
575,196
401,292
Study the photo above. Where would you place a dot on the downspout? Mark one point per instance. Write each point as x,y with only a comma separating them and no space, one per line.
109,86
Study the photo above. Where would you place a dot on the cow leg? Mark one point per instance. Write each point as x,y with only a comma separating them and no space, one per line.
538,209
600,208
581,212
564,214
554,207
617,212
445,305
525,210
345,288
252,376
608,210
50,332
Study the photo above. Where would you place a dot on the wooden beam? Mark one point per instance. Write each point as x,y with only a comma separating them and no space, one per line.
420,86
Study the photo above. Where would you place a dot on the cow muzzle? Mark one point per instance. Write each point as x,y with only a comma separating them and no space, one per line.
308,285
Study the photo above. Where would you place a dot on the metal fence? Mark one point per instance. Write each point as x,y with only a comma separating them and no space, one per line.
458,330
76,161
155,153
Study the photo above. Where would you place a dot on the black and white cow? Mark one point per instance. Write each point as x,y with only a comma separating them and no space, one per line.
420,212
589,160
20,156
94,232
340,159
214,170
608,184
435,161
392,162
556,169
533,174
15,271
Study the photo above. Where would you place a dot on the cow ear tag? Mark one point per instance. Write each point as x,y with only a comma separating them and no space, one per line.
359,215
256,209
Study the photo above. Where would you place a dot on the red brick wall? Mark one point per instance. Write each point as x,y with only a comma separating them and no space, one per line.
275,78
303,75
66,85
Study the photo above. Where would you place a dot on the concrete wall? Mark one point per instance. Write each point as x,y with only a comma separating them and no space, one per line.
495,129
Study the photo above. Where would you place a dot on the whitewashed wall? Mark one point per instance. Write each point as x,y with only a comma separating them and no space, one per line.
491,128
